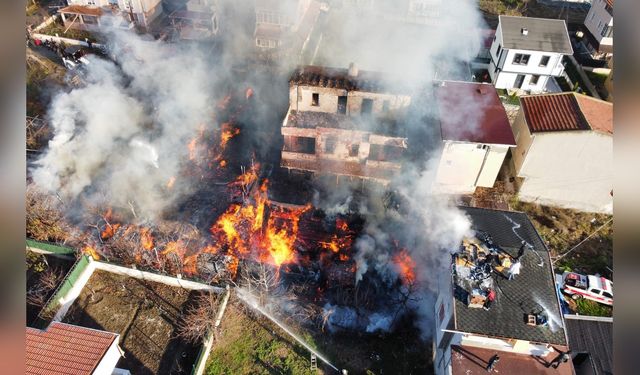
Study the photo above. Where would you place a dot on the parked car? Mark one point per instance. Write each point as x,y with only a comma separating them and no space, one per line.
592,287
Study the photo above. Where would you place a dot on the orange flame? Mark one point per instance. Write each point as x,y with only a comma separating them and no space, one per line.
226,133
146,239
192,148
109,231
172,180
406,266
91,251
248,229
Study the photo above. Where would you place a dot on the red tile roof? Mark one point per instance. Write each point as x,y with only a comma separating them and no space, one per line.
82,9
566,112
65,349
599,114
472,112
467,360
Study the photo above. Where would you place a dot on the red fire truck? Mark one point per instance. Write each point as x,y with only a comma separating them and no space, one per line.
595,288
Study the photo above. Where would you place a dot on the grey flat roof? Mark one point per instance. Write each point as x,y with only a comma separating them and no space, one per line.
543,34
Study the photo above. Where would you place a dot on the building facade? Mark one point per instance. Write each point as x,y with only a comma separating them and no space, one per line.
343,122
284,25
527,51
599,24
140,12
564,151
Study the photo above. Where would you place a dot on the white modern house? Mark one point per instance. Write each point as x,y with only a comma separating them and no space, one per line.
564,151
141,12
527,51
476,136
599,25
486,323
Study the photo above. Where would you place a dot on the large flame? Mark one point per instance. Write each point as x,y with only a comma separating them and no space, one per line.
255,228
405,266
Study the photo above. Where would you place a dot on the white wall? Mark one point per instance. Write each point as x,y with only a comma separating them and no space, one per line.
464,166
596,19
572,169
109,360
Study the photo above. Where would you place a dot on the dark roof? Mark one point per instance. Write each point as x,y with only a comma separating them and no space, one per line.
565,112
65,349
544,34
311,120
339,78
531,291
472,112
466,360
592,335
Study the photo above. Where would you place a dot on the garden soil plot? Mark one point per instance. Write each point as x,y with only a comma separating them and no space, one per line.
248,343
42,263
145,314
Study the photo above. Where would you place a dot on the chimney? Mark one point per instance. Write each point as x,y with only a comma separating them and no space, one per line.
524,31
353,70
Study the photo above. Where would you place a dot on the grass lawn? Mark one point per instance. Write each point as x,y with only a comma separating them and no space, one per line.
588,307
250,344
506,7
562,229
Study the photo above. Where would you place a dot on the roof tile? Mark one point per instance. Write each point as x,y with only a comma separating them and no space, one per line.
65,349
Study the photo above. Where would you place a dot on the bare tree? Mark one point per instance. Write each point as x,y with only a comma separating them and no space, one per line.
199,319
38,293
45,218
260,279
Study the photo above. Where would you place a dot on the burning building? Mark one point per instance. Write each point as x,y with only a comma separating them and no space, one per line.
344,122
490,316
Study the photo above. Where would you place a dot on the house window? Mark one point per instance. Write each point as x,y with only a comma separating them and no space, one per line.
534,79
330,144
599,24
342,105
315,99
498,50
544,61
607,31
367,106
607,294
354,149
592,16
441,314
521,59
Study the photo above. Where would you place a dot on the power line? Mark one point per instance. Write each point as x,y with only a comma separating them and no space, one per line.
581,242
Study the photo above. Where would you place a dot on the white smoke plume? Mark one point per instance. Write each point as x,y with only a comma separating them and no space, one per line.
123,133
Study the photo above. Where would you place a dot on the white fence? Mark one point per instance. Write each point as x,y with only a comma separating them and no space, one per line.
67,41
67,300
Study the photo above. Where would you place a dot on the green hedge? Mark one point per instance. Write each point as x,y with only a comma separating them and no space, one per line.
64,288
50,247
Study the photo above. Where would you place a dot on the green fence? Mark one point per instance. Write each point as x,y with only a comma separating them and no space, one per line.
50,308
57,249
